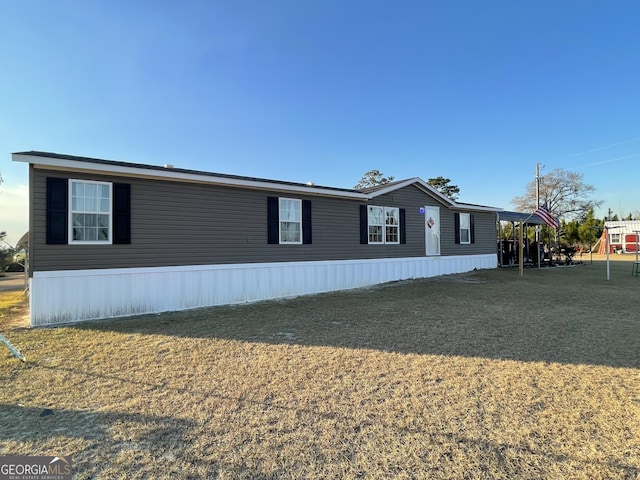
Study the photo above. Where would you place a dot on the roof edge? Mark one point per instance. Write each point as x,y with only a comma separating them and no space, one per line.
425,187
410,181
71,162
96,165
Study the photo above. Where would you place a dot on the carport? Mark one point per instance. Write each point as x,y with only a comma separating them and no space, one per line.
508,249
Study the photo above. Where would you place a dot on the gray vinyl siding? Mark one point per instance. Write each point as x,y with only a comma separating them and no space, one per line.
177,223
412,199
484,228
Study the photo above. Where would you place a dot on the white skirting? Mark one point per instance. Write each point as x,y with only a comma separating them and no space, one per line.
75,295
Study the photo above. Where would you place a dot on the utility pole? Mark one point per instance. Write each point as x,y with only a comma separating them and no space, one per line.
537,185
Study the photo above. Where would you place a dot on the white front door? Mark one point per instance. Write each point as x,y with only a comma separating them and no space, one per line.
432,230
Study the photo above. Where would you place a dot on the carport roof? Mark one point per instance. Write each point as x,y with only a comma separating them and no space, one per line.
529,218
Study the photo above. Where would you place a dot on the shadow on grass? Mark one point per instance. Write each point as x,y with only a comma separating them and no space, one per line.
38,424
39,427
569,315
142,446
147,445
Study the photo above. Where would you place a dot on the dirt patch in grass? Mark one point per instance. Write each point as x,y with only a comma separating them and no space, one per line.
481,375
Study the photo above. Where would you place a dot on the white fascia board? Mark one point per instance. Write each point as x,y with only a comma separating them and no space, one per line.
418,182
425,187
477,208
395,186
171,175
421,184
453,204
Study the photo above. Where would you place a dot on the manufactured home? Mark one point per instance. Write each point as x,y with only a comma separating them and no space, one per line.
111,238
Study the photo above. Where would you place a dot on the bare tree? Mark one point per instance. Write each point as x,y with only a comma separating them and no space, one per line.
371,179
564,192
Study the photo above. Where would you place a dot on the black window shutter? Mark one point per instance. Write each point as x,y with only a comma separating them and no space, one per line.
472,230
364,225
121,213
273,220
456,218
57,211
306,221
403,228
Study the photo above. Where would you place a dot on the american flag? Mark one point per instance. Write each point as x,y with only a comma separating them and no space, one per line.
544,213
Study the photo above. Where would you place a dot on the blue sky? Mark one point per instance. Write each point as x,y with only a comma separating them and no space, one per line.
323,91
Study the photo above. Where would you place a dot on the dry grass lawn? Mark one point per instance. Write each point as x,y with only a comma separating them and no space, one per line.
473,376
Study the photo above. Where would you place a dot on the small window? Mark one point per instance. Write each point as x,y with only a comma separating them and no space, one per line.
290,210
90,212
465,228
614,238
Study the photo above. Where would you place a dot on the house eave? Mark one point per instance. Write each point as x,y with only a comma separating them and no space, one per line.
70,163
179,175
429,190
418,182
477,208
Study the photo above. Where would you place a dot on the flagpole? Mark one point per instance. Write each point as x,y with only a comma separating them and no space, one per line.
607,240
538,206
606,229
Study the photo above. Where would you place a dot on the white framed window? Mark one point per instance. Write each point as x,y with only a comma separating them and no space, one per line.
375,220
614,238
290,212
90,215
392,225
383,225
465,228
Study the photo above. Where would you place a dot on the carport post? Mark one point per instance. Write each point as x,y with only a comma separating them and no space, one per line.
521,250
537,227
